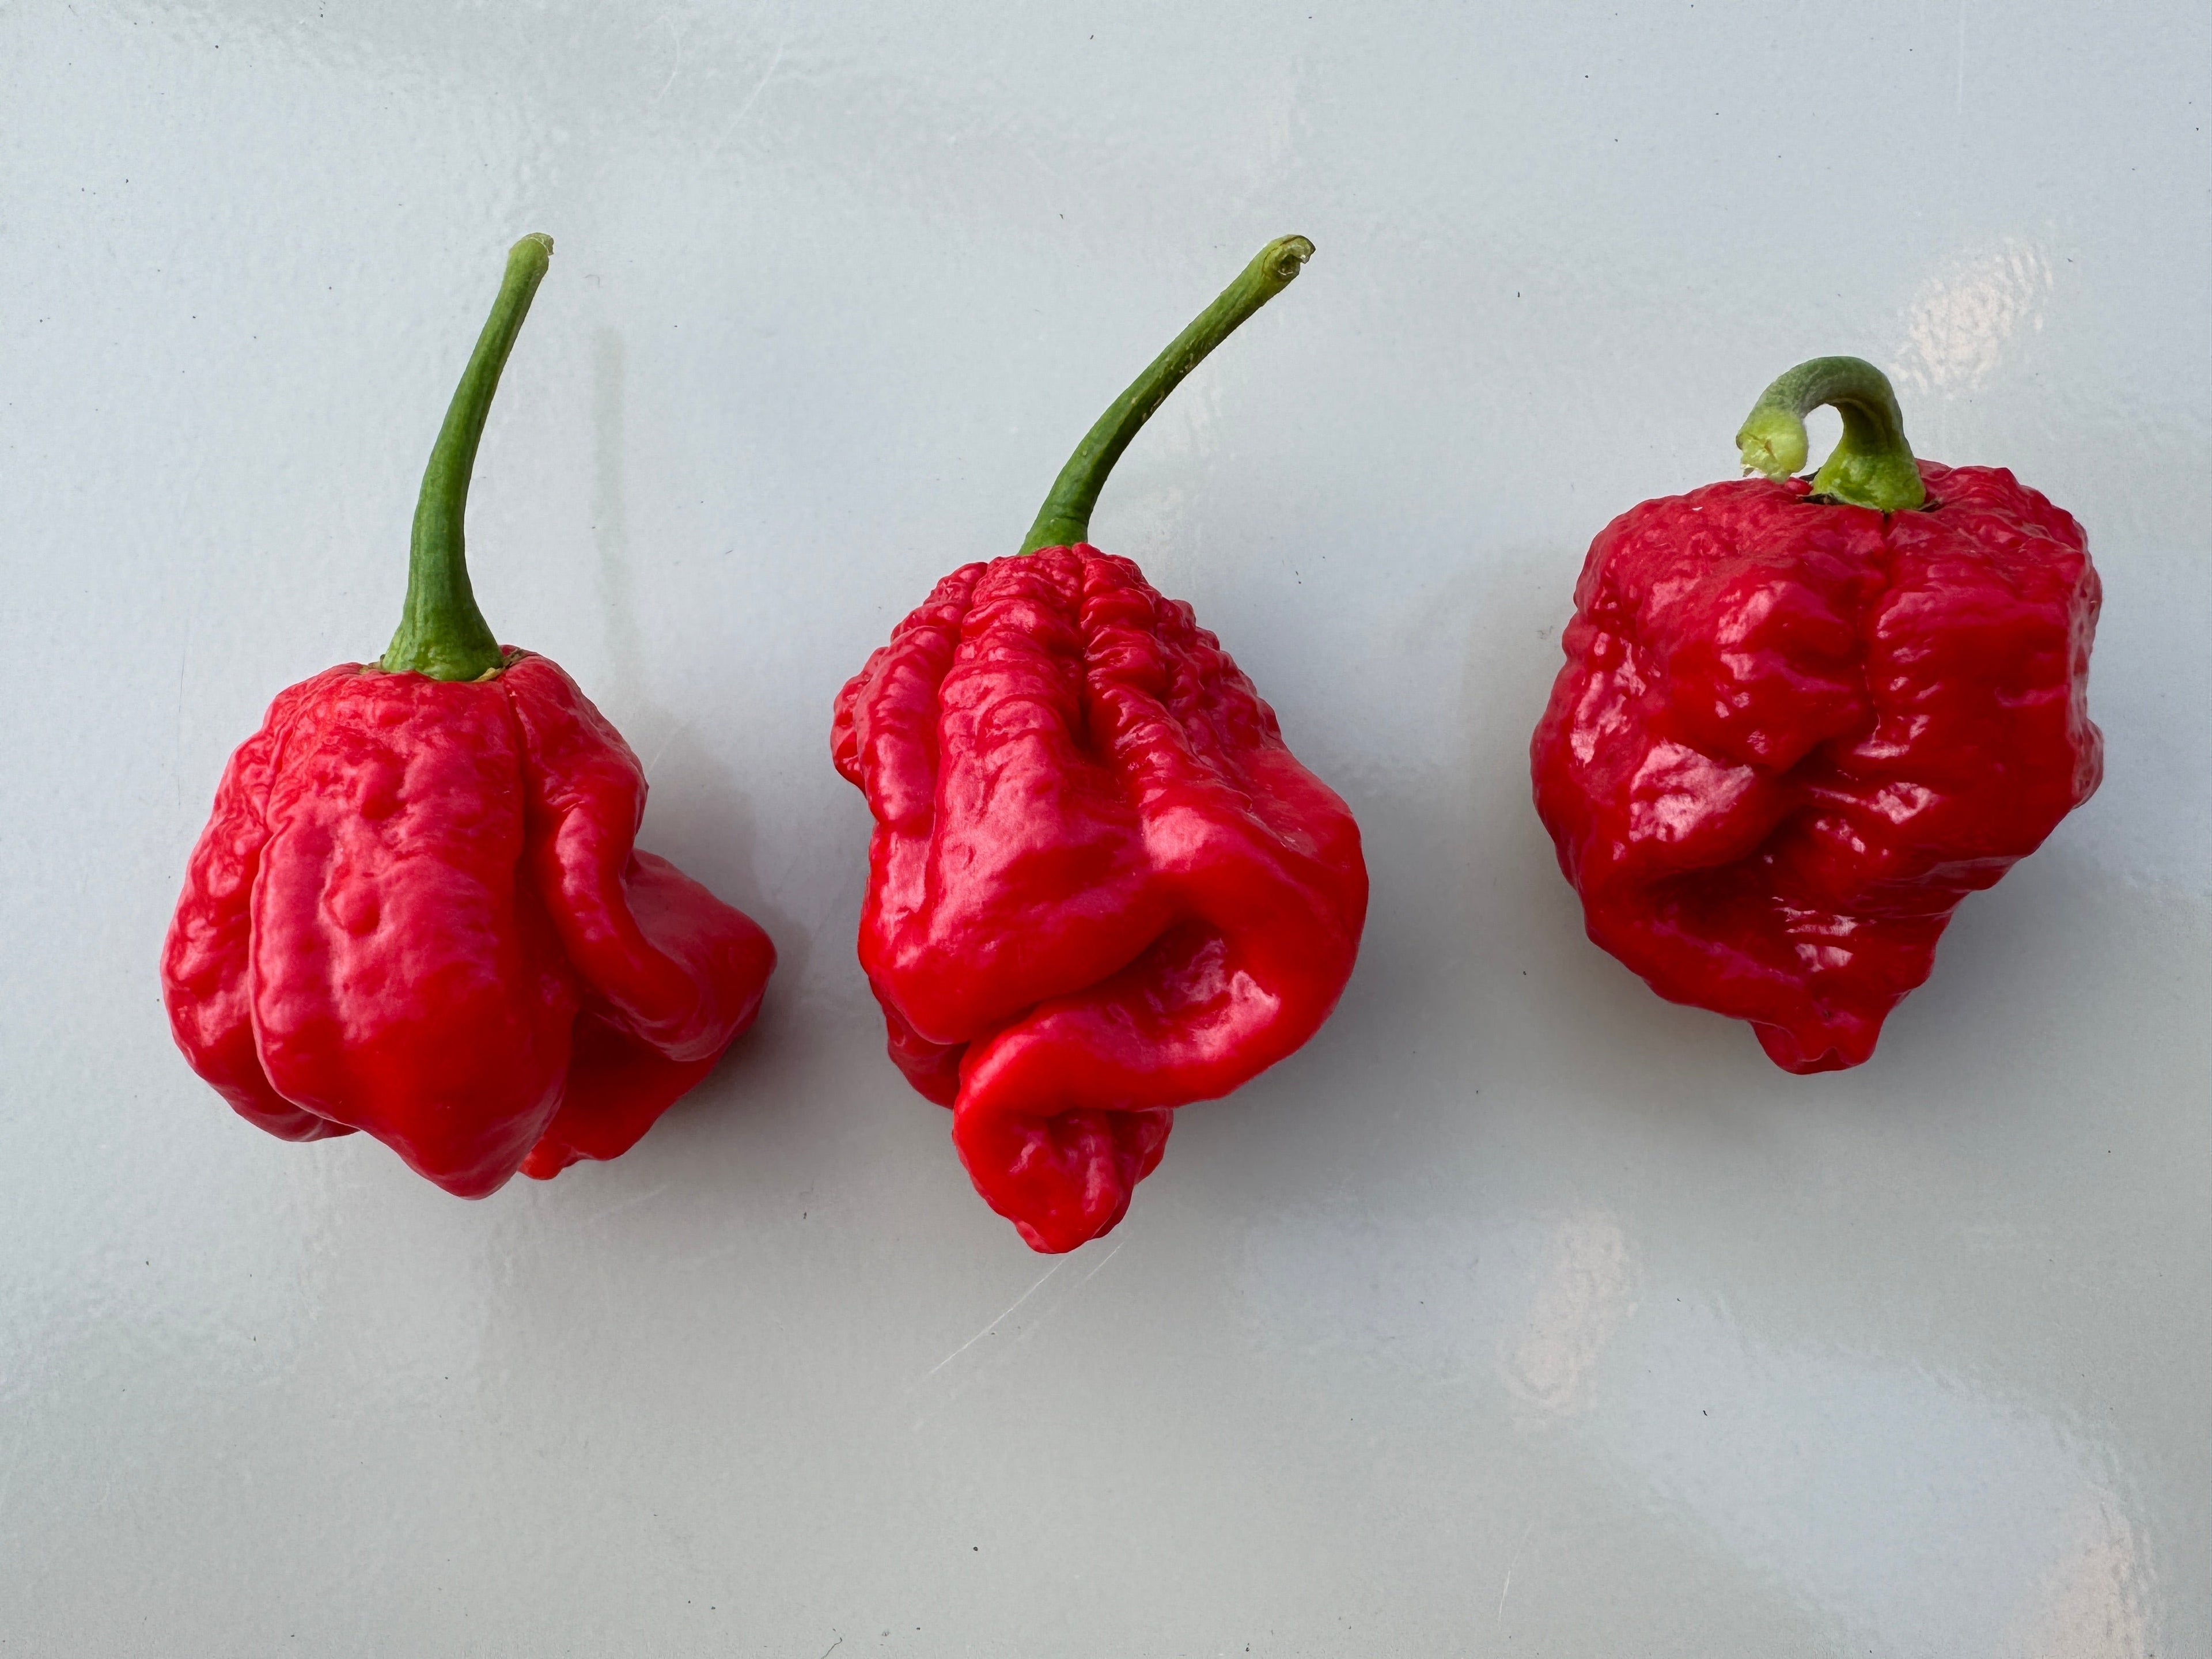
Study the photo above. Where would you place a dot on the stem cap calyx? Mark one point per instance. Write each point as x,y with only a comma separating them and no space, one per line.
1871,466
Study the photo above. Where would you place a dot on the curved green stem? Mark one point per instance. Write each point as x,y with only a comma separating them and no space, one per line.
1872,467
441,633
1064,518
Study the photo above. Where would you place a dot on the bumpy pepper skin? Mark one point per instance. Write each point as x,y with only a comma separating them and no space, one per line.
416,910
1792,734
1099,886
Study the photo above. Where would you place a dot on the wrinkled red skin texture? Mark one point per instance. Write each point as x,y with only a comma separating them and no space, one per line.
1791,736
416,910
1099,887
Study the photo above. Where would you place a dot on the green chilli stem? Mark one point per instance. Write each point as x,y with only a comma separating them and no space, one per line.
441,633
1872,467
1064,518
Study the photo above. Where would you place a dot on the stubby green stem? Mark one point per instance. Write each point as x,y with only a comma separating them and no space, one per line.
441,633
1064,518
1872,467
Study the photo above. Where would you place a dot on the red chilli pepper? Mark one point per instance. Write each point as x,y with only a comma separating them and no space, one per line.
417,910
1800,722
1099,887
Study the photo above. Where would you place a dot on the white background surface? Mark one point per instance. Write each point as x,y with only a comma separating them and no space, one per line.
1520,1313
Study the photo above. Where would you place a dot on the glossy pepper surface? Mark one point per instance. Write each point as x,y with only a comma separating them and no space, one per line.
1800,719
417,909
1100,887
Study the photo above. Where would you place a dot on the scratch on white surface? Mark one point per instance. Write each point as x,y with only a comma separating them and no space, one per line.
674,732
1044,1315
1959,112
177,736
1505,1589
753,97
993,1325
630,1203
1100,1267
184,657
676,35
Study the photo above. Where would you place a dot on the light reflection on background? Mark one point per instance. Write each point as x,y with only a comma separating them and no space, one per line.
1911,1511
1967,314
